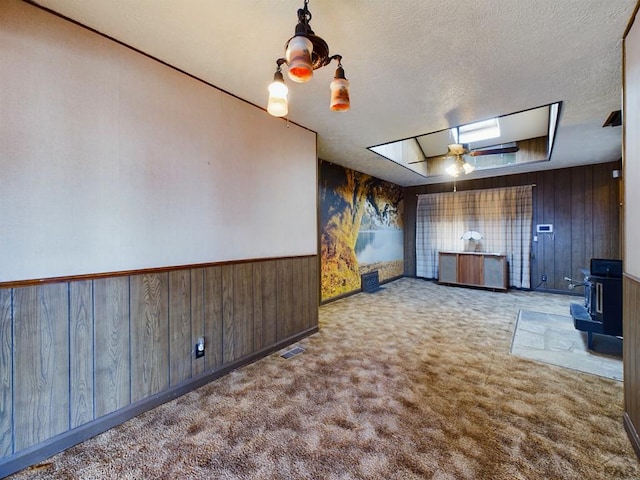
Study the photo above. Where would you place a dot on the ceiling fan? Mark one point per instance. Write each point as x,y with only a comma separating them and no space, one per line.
458,150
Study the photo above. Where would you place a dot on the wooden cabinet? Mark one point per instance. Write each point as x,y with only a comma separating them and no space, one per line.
487,270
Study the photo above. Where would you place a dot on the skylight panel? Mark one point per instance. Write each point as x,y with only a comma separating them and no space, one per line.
479,131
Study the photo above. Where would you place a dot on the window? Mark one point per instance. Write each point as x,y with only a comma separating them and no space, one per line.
479,131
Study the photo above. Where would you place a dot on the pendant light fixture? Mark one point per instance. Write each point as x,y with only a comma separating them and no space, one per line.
304,53
278,105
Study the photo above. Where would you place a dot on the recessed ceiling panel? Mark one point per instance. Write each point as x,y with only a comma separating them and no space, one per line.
517,138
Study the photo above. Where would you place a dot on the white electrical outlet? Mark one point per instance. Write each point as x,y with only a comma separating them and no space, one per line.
200,347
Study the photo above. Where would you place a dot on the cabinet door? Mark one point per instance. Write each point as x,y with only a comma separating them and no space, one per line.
495,272
470,269
448,268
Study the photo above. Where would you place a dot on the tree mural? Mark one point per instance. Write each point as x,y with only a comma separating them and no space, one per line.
359,215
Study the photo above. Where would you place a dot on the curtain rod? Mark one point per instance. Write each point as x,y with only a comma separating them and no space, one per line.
513,186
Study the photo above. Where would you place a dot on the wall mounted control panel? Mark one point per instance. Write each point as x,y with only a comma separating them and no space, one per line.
544,228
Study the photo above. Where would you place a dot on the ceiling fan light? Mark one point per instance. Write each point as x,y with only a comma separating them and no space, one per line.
468,168
454,169
298,56
339,92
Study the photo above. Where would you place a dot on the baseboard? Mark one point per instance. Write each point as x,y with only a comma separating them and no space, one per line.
54,445
558,291
632,433
359,290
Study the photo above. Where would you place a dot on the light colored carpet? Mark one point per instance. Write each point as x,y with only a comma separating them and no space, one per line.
415,381
553,339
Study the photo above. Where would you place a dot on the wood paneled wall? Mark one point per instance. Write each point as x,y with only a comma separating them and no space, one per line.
75,351
582,203
631,357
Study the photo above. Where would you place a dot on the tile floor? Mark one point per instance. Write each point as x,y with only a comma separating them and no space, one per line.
553,339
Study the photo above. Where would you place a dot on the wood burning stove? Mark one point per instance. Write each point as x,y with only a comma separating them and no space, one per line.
602,309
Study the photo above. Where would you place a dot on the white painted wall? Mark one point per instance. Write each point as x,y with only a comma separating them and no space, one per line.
111,161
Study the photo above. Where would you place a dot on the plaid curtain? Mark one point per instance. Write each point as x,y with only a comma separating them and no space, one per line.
503,216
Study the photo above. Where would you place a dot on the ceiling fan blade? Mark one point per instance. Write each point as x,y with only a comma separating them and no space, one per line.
493,151
430,159
472,153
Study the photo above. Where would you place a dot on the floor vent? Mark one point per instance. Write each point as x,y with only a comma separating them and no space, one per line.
370,282
292,353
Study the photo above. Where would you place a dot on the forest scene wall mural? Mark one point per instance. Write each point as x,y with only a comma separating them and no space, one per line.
361,229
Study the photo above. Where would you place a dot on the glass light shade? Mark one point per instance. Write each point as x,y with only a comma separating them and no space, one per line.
298,56
340,95
278,105
468,168
471,235
453,170
457,167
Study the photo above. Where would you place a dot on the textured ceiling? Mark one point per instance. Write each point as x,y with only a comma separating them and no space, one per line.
415,66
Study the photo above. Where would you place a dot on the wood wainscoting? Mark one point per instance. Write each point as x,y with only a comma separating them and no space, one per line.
80,356
631,357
